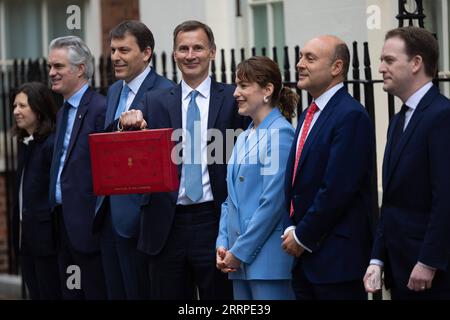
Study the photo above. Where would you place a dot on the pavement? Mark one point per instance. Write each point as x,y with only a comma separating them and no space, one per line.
10,287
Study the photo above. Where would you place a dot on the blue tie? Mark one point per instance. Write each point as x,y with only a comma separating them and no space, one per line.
122,101
193,169
57,154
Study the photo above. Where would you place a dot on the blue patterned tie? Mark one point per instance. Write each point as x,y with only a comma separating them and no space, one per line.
58,153
193,169
122,101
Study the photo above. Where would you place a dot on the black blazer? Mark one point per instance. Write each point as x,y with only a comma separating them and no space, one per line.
37,227
162,109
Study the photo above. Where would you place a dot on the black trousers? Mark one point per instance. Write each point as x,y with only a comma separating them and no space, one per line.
430,294
92,279
41,277
187,263
126,268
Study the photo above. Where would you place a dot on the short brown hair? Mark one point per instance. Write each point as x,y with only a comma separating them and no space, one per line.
263,70
144,37
192,25
419,42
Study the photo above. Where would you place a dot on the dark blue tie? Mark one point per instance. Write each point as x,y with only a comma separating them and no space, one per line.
398,131
58,151
193,167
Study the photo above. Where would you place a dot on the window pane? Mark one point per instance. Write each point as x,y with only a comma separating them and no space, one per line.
23,29
278,25
260,27
57,19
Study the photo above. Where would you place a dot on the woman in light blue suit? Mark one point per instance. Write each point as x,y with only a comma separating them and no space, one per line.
248,245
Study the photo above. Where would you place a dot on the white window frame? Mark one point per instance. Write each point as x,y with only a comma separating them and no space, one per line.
2,33
270,27
445,45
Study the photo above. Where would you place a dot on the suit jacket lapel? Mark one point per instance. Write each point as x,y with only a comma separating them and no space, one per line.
251,142
215,103
79,117
146,85
323,117
232,171
174,109
292,153
388,151
394,154
114,96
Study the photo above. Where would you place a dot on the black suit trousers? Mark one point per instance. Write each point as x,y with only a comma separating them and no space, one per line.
187,264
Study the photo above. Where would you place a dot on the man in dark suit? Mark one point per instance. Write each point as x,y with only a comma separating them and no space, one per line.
412,241
179,229
328,180
70,67
126,268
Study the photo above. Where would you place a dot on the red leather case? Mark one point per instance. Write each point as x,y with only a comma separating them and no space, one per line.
133,162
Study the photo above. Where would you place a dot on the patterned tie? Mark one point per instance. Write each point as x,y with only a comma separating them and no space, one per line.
58,154
304,134
122,101
193,169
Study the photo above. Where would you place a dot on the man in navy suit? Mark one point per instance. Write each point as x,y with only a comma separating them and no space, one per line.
71,66
179,229
412,242
126,268
328,180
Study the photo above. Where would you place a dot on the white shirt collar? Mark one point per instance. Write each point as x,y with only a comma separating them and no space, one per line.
414,100
203,88
28,139
136,83
323,99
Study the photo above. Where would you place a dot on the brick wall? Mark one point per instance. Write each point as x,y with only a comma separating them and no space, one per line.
114,12
3,227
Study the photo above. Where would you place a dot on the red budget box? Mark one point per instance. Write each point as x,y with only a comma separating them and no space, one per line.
133,162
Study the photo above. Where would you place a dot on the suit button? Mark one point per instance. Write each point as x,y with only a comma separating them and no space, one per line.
241,178
238,233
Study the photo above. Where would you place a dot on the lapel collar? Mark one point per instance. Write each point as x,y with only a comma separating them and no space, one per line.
58,126
394,155
323,117
232,169
291,159
114,100
261,132
174,109
146,85
388,150
215,102
79,117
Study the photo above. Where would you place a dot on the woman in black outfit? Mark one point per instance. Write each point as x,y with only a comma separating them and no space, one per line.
33,232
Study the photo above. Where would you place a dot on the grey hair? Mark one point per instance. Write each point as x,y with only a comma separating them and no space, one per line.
78,52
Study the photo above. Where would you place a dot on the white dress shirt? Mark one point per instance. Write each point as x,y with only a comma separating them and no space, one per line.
202,100
134,86
414,100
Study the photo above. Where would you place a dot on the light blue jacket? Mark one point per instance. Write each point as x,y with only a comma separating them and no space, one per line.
251,219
